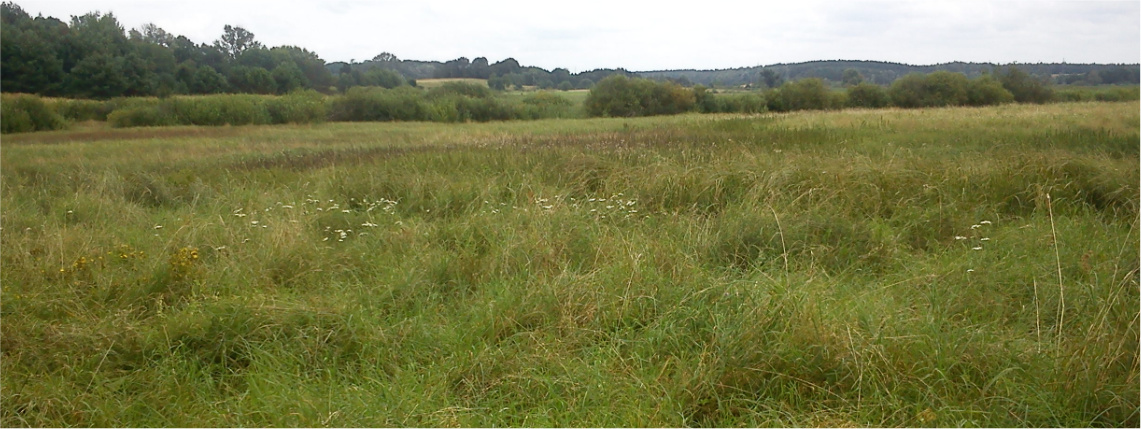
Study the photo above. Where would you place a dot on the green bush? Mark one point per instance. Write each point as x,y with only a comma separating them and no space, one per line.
708,102
465,89
403,103
941,88
1024,87
81,110
620,96
803,94
26,113
985,90
944,88
299,107
488,109
452,102
908,91
868,95
223,109
750,102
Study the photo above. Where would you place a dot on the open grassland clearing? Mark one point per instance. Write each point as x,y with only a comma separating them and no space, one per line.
433,83
928,267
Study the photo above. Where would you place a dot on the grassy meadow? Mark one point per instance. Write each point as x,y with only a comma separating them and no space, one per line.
926,267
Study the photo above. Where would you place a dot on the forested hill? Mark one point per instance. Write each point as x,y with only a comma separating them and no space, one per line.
884,72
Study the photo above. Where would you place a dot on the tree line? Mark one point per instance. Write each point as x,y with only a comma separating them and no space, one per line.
92,56
623,96
507,74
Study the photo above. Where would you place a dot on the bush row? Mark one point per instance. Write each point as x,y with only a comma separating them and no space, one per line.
453,102
619,95
20,113
461,102
622,96
232,109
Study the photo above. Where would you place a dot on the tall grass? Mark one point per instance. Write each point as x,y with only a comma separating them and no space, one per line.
856,268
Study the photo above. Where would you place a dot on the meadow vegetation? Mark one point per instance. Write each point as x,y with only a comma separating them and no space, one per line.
471,100
960,266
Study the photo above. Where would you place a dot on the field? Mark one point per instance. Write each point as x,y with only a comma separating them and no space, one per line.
432,83
926,267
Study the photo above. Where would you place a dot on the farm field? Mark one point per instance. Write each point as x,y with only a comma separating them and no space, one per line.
433,83
924,267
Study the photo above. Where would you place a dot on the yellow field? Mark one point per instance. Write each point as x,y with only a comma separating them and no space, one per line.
432,83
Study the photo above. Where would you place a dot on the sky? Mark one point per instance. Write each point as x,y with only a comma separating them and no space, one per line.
584,35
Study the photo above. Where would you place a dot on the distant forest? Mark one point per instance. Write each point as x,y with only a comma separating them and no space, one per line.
92,56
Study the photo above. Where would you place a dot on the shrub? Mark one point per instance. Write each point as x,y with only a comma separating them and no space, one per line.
705,101
228,109
26,113
941,88
614,96
378,104
803,94
750,102
222,109
985,90
299,107
465,89
867,95
944,88
481,109
620,96
1025,88
908,91
81,110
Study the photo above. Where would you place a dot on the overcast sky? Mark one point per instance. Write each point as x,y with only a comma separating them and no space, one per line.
654,35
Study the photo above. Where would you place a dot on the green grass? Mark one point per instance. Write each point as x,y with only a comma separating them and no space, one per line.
931,267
